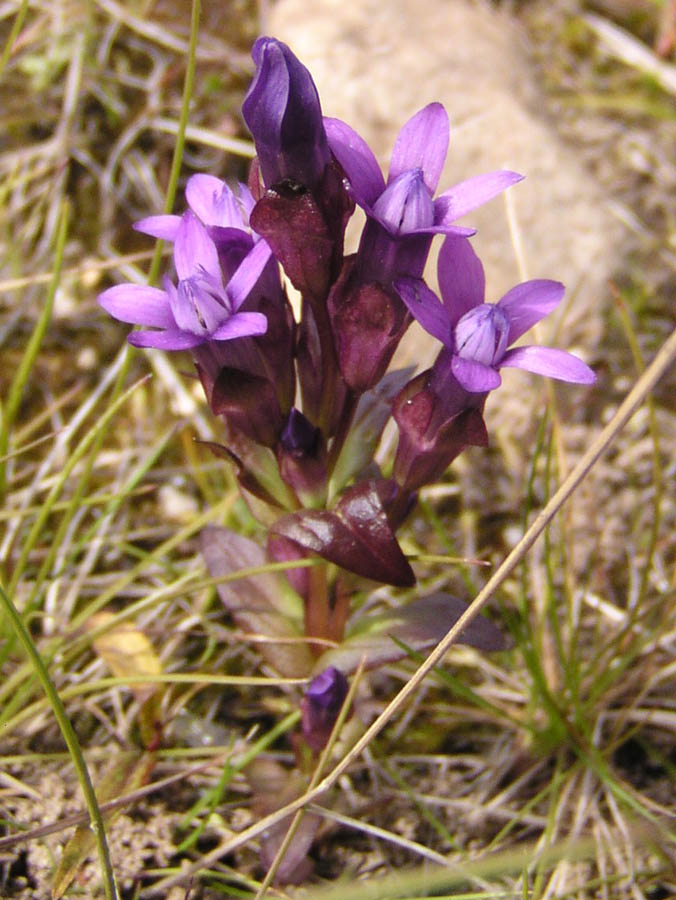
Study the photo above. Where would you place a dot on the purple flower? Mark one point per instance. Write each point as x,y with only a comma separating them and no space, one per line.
218,263
321,704
284,116
475,334
405,207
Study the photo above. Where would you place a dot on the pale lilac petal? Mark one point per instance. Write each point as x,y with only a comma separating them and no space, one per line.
242,324
138,305
355,156
246,199
165,340
197,308
468,195
474,376
247,274
461,278
426,307
163,227
405,206
194,251
551,362
529,302
422,144
213,202
452,230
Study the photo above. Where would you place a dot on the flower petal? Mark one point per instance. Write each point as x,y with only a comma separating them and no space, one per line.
138,304
405,206
243,324
529,302
422,144
355,156
194,251
247,274
551,362
213,202
162,227
426,307
165,340
474,376
246,199
453,230
468,195
284,115
461,278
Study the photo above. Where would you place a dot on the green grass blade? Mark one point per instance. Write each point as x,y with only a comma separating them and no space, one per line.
96,819
25,366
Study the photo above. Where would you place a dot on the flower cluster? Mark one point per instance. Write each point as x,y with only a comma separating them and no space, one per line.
304,399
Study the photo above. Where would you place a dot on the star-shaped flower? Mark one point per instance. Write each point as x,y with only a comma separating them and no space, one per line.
405,205
476,334
205,305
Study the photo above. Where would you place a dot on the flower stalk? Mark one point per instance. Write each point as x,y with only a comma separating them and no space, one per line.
303,403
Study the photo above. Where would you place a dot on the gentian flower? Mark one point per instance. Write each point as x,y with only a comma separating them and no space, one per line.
476,335
405,207
321,705
218,263
215,205
284,116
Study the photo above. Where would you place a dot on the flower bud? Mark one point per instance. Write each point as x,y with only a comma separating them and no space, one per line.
301,453
368,321
284,115
321,705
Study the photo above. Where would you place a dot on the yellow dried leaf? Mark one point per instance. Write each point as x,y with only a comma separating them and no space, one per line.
127,652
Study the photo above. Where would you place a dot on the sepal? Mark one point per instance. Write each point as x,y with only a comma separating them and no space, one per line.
368,320
356,535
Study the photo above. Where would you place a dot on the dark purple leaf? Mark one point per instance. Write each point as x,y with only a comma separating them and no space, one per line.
259,604
418,626
356,535
273,787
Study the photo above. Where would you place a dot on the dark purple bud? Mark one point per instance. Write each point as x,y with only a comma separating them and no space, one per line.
321,705
299,436
302,459
323,390
305,229
292,223
284,116
433,430
247,402
368,321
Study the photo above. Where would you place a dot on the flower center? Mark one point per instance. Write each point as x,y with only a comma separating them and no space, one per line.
200,307
482,334
406,204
